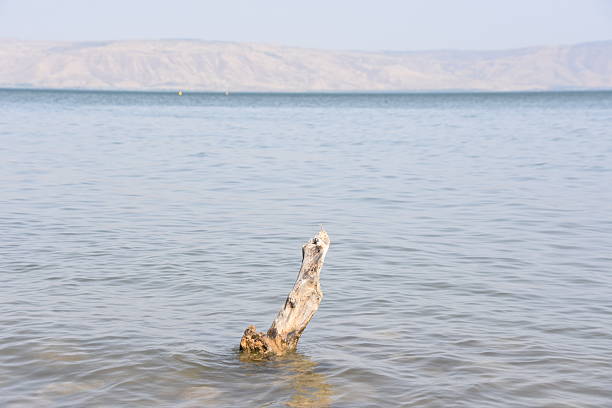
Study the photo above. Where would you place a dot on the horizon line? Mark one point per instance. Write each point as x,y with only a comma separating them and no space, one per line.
348,92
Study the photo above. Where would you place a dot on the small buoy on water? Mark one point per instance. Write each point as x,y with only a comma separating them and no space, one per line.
180,93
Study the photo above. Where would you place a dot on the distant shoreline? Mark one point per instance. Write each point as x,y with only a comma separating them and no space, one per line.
170,66
187,92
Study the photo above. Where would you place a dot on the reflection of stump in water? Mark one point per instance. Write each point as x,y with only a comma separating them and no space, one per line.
301,304
293,375
311,388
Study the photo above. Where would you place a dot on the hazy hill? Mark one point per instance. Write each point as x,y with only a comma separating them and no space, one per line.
219,66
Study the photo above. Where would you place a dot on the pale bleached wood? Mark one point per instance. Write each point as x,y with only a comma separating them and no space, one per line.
301,304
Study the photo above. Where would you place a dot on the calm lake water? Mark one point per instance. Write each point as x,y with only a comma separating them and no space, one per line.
470,265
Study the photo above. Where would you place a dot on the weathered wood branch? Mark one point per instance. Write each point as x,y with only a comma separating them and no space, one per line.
301,304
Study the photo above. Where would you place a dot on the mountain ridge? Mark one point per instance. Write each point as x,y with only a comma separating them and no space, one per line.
200,65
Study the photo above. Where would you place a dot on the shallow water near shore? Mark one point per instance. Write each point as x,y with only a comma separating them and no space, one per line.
470,262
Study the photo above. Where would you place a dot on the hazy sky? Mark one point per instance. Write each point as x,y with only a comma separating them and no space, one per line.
340,24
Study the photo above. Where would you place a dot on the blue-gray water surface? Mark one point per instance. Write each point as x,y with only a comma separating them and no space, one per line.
470,264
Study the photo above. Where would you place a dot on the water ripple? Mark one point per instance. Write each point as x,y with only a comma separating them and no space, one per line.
142,234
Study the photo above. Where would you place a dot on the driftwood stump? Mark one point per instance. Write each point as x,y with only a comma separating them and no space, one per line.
301,304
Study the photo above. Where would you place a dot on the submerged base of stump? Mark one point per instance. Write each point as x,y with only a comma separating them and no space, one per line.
301,304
